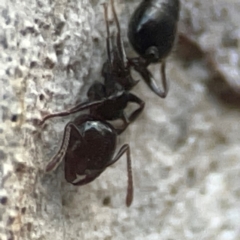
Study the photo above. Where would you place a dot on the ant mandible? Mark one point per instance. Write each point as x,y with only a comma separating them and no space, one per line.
152,33
89,142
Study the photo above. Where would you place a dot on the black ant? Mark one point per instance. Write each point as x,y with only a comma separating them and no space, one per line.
87,149
107,101
152,33
89,142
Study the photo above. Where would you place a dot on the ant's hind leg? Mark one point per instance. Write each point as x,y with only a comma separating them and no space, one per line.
126,149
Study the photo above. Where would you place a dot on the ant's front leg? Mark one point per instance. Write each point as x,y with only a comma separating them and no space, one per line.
75,109
59,156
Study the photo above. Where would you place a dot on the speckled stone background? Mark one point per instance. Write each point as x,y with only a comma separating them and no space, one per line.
185,149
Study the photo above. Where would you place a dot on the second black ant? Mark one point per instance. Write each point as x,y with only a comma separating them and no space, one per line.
152,32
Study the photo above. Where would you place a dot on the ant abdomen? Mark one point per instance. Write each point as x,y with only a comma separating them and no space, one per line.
152,28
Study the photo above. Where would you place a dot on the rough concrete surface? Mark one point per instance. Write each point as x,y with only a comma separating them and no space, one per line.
185,148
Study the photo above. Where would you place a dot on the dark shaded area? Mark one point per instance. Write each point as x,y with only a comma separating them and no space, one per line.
14,118
23,210
219,86
3,200
48,63
10,220
41,97
188,50
106,201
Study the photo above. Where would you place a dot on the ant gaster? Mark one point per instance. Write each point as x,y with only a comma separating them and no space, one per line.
87,149
152,32
89,142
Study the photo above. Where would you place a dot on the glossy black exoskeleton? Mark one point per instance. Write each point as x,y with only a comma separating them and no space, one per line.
152,32
108,100
87,149
89,142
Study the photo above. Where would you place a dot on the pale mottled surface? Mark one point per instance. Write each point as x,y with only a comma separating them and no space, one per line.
185,149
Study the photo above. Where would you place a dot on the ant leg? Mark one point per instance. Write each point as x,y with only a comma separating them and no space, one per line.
122,150
133,98
125,124
58,157
108,42
120,46
77,108
164,79
127,120
141,68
